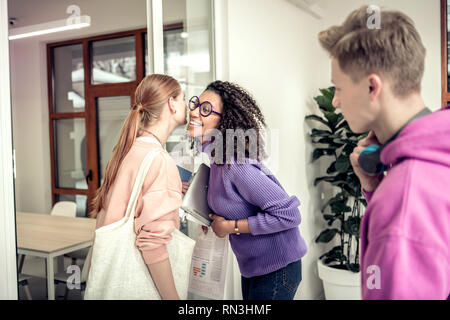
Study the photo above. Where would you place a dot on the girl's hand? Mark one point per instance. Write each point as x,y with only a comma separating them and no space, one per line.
185,187
220,226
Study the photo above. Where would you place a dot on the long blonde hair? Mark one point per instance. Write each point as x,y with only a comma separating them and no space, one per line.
150,97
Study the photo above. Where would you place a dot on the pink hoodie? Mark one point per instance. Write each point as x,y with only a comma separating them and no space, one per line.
405,231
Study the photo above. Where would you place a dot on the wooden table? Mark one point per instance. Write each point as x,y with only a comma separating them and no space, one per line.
47,236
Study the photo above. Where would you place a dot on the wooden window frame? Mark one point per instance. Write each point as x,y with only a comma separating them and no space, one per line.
91,93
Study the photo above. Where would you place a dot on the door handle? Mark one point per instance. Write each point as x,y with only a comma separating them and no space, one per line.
89,177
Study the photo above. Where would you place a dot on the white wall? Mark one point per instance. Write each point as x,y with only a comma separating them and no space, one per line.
274,53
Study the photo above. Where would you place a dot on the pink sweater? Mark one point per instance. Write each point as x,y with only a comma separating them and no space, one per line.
157,208
405,230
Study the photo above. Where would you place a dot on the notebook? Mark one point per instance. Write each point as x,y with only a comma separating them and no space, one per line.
195,200
184,174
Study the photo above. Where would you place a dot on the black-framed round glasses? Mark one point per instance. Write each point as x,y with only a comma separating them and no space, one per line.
206,107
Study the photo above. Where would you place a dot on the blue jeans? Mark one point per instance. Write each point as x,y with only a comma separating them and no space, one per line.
278,285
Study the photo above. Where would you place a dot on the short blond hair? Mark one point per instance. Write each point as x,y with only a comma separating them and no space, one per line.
395,50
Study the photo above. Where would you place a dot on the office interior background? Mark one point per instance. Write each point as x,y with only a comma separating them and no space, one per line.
269,47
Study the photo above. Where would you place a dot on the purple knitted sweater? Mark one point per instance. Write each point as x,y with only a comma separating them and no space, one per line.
244,191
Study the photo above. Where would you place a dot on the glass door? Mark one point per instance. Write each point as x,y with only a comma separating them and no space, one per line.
188,50
110,114
116,69
189,58
68,125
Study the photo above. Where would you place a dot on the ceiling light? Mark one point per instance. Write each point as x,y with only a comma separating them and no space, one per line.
48,27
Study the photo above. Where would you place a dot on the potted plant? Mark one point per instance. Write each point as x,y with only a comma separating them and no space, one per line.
339,267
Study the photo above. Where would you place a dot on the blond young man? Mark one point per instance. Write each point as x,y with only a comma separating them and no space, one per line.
405,231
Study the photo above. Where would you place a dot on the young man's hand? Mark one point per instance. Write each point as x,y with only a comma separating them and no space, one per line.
369,183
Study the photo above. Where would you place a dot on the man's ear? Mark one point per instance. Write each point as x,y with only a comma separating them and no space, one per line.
375,85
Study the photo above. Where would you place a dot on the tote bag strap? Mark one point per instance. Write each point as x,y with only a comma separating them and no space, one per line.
142,173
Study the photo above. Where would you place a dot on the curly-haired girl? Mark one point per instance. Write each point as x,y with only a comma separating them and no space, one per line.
250,204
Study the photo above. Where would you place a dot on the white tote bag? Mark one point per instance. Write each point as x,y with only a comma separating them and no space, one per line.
117,269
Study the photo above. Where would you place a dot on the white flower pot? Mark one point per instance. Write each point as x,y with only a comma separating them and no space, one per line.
340,284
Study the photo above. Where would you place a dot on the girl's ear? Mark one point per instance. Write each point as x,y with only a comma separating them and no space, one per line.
172,107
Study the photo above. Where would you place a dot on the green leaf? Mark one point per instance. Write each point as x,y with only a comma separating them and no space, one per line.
332,168
332,118
339,183
351,226
317,118
326,178
326,140
340,197
330,218
325,104
333,255
328,93
320,133
343,125
334,180
340,207
342,164
339,141
348,149
364,202
353,181
327,235
317,153
351,191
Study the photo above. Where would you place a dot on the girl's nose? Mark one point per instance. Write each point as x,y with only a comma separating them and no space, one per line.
194,113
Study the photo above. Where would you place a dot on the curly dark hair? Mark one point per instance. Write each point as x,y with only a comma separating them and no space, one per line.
240,111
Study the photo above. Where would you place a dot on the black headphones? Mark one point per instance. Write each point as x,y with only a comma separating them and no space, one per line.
370,158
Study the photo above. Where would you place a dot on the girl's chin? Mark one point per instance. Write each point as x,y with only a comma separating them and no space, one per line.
195,132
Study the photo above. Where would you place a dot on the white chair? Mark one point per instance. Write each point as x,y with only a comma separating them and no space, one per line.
64,208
